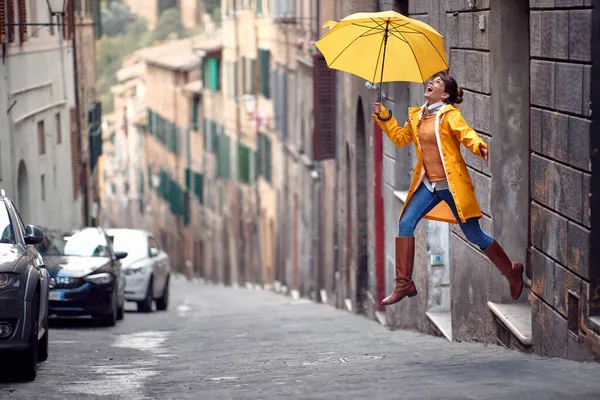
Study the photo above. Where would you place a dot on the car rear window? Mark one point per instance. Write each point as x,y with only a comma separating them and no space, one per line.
6,228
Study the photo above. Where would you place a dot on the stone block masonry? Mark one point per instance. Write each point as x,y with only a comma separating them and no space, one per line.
560,50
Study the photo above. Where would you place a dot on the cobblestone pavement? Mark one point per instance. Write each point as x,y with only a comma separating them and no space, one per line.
224,343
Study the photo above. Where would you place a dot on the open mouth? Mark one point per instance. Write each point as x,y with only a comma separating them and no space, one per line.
429,89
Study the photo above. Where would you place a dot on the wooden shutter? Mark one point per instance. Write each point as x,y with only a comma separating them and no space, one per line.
22,10
69,29
74,152
3,38
10,20
324,137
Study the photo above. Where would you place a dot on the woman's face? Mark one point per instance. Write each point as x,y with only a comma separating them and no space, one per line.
436,91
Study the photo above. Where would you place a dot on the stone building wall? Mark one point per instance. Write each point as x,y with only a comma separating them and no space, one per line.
560,48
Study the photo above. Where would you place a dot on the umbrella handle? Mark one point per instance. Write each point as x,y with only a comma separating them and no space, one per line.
385,119
389,111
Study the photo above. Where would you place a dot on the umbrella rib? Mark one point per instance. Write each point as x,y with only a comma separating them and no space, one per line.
396,26
426,37
417,62
370,34
345,48
399,37
365,26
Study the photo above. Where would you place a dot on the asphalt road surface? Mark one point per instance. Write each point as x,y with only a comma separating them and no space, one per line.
224,343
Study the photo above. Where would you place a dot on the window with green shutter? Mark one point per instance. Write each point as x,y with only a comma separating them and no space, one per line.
195,109
258,6
198,187
150,176
264,64
252,67
214,75
236,82
186,209
141,199
257,162
243,163
215,137
243,65
267,159
188,178
223,157
150,122
203,74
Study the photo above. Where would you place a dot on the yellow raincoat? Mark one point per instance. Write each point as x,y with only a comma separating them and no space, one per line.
451,130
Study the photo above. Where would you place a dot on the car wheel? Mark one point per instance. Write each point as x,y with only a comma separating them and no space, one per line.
162,303
146,304
29,358
120,312
43,344
111,318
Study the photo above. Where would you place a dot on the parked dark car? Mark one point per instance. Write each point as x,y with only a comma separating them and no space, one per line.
85,271
23,293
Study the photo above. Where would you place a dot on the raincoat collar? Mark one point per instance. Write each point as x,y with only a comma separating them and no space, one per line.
419,110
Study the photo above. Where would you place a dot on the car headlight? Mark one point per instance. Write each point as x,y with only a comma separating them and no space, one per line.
99,279
9,280
136,270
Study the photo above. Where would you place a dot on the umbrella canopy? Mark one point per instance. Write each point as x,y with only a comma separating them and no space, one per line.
364,43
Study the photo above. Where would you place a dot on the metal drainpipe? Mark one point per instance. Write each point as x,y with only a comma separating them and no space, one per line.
336,219
318,197
242,225
82,173
594,257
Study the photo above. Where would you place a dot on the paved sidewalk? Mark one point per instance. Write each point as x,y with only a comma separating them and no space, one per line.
224,343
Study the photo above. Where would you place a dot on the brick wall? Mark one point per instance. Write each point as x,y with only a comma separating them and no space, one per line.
560,47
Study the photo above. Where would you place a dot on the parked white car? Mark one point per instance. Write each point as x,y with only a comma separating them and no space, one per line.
146,268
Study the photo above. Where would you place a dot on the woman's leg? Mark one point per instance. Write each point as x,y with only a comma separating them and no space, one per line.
513,271
421,202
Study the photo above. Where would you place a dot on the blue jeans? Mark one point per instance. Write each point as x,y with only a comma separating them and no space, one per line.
423,201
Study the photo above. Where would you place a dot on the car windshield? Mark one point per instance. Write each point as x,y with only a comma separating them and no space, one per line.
6,228
135,244
86,243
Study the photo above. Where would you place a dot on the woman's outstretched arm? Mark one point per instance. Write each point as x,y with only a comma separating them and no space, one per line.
400,136
467,135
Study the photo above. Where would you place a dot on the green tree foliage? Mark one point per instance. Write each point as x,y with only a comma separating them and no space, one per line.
164,5
110,51
123,34
115,19
169,25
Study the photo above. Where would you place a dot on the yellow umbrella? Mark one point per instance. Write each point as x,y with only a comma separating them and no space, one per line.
363,42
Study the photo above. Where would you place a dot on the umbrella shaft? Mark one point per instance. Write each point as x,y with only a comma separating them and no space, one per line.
385,39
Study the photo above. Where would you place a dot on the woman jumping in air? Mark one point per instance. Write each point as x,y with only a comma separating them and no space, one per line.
441,188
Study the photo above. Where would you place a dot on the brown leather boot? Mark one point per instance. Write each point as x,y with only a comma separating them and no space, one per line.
405,258
513,271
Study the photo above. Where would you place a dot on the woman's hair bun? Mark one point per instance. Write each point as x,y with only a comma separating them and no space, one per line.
459,96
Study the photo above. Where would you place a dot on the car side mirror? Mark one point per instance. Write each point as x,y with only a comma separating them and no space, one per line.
33,235
153,252
121,254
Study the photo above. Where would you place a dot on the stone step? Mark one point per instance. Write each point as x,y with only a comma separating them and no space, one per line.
513,325
441,323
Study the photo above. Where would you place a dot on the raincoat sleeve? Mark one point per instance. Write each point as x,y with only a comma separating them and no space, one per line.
465,134
400,136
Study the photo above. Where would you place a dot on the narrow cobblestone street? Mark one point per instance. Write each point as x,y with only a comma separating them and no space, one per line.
224,343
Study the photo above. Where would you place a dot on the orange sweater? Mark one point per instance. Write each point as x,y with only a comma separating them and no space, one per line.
434,168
